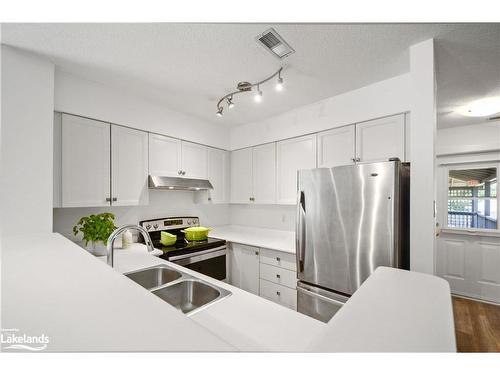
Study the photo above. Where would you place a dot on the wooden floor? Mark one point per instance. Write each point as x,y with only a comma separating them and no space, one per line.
477,326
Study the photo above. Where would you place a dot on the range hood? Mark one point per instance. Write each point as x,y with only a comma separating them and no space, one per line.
178,183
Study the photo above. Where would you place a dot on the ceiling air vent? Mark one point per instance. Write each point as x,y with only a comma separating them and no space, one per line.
274,43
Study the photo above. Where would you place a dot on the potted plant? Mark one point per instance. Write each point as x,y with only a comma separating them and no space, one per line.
96,230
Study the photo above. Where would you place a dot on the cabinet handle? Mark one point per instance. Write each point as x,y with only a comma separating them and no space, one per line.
358,159
115,199
256,253
353,160
278,293
179,172
278,259
108,199
183,173
278,275
209,198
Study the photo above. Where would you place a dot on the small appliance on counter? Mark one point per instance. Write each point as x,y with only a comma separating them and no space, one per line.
207,256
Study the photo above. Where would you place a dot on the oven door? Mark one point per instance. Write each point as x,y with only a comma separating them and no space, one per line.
211,262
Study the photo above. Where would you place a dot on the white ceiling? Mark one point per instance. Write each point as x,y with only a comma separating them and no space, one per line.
189,66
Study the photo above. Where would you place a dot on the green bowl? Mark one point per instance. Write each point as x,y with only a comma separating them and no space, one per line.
196,233
168,239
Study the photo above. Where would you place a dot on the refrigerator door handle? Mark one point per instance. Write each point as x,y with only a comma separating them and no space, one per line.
300,231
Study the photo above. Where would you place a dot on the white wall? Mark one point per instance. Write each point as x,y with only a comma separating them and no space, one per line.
422,144
161,204
26,143
380,99
480,137
90,99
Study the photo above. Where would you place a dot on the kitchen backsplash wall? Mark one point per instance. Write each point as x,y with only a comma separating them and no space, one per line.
161,204
281,217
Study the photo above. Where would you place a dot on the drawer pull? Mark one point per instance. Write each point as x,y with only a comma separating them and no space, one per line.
256,253
278,293
278,259
278,276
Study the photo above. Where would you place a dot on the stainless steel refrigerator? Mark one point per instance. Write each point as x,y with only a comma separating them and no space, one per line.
350,220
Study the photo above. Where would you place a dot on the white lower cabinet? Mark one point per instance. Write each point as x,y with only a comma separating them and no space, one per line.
267,273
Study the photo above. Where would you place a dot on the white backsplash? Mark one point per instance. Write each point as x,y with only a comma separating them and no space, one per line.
161,204
281,217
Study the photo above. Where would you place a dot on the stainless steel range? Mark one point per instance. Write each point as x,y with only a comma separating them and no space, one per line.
207,257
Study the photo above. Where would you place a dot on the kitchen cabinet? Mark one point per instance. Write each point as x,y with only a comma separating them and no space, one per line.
85,162
218,175
381,139
241,176
164,155
175,158
244,267
278,293
129,166
264,174
101,164
292,155
337,147
253,175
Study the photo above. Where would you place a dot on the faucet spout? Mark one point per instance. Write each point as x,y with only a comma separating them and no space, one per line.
120,230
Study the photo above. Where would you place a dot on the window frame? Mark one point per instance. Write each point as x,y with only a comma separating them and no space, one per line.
444,214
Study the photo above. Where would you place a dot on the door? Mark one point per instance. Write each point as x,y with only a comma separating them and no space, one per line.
381,139
264,173
336,147
345,224
194,160
85,162
241,176
244,267
218,171
292,155
164,156
129,166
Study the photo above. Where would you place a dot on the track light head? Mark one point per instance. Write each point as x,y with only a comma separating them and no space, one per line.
230,103
219,112
279,84
258,95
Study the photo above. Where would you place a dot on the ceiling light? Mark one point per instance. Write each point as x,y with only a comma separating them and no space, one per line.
245,86
258,95
481,108
279,84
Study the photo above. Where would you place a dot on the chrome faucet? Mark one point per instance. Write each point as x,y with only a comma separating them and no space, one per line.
118,231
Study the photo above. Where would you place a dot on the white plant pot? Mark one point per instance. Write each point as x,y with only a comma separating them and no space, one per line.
96,248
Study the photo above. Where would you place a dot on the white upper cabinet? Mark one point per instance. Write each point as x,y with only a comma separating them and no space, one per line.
164,156
336,147
129,166
241,176
264,174
85,162
292,155
194,160
218,175
379,140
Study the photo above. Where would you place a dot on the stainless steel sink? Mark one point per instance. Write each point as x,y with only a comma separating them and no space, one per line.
181,290
154,277
190,295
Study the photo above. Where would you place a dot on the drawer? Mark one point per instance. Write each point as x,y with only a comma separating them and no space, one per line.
278,259
278,275
279,294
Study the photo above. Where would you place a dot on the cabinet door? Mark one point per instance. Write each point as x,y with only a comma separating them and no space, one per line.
264,173
85,158
241,176
194,160
292,155
129,166
336,147
218,171
379,140
244,268
164,156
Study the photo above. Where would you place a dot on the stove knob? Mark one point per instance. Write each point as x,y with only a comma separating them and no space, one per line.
155,226
190,222
195,221
148,227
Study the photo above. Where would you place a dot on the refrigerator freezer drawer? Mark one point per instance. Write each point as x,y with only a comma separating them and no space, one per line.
318,303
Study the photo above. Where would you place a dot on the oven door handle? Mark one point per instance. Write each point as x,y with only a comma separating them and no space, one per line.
199,256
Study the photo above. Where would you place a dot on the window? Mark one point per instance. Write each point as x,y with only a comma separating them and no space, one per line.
472,198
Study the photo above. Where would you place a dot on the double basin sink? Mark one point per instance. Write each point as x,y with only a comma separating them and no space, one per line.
181,290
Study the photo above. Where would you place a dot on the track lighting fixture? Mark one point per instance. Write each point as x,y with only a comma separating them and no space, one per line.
246,87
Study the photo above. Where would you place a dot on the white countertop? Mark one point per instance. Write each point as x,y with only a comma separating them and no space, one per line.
273,239
52,286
